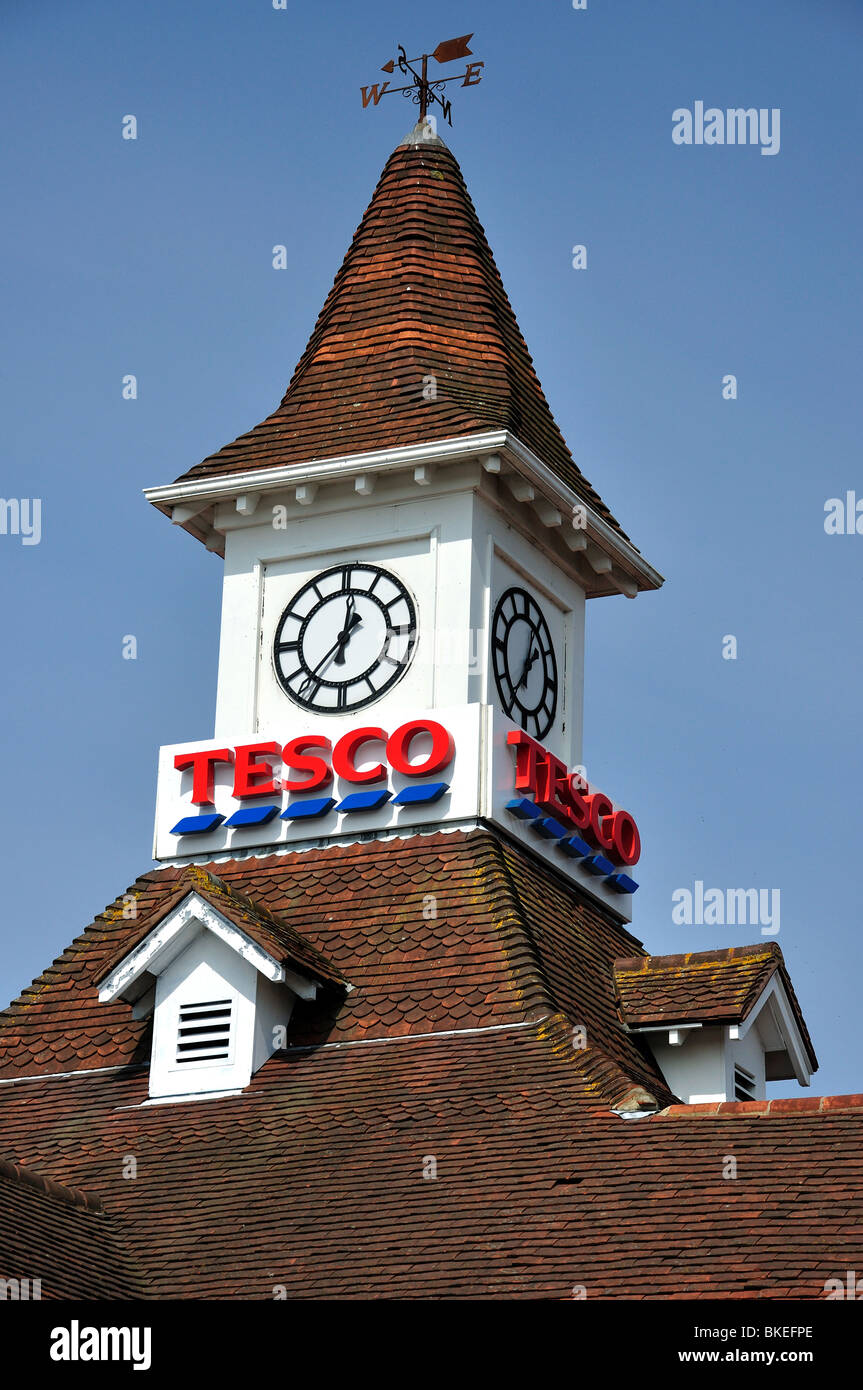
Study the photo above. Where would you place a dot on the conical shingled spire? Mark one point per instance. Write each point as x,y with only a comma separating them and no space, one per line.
418,295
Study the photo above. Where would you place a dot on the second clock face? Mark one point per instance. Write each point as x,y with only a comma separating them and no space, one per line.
345,638
525,669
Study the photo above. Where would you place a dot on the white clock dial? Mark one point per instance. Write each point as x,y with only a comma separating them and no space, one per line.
345,638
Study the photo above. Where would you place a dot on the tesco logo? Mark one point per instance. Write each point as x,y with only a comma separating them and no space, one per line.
566,797
310,762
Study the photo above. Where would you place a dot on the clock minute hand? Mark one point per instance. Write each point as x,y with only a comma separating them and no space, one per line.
352,620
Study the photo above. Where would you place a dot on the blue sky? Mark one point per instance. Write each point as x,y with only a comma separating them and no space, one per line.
154,257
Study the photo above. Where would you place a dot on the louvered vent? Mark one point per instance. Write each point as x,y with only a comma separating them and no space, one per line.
204,1034
744,1084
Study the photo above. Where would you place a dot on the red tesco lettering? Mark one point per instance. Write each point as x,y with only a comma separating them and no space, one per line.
309,761
566,796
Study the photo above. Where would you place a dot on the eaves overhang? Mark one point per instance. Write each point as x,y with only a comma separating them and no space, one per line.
613,564
773,1003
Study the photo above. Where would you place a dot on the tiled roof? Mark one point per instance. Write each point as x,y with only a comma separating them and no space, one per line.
312,1180
446,1130
274,936
434,932
717,986
418,295
62,1238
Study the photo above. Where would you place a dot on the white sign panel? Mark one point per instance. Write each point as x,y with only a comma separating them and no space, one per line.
298,795
315,780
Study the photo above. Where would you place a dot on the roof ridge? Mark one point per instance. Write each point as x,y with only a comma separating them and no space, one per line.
751,1109
617,1083
73,1196
758,950
534,972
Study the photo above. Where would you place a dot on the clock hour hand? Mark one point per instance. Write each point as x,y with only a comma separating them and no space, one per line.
336,651
532,657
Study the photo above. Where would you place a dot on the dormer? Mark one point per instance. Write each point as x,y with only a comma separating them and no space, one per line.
220,976
720,1024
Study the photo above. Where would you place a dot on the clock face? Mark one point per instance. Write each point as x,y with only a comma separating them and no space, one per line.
525,669
345,639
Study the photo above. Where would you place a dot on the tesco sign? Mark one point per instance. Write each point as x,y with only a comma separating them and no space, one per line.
310,762
344,777
569,800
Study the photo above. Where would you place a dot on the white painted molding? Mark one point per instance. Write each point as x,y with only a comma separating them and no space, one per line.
168,938
181,514
492,448
364,484
423,474
575,539
776,997
599,562
548,515
306,494
520,488
306,989
333,470
247,503
626,586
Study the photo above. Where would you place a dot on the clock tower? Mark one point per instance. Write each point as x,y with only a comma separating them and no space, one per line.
408,544
387,942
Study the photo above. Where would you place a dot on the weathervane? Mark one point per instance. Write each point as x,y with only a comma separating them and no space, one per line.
423,90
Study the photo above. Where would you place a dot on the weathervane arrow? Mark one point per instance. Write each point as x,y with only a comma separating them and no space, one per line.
453,48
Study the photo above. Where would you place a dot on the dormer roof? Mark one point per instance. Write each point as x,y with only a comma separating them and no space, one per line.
281,952
726,986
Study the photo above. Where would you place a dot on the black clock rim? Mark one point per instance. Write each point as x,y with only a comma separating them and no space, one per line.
553,683
399,671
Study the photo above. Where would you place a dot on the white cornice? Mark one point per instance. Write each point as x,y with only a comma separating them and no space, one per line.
227,485
611,541
192,498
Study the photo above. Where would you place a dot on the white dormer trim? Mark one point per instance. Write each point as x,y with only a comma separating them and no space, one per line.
775,997
172,935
